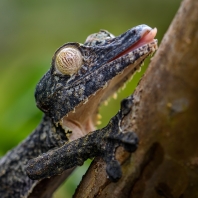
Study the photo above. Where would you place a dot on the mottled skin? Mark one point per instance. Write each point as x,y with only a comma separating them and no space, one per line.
70,105
102,142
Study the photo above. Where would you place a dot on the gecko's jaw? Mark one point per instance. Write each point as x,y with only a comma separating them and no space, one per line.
132,61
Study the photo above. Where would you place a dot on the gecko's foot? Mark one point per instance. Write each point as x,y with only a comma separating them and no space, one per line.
113,137
102,142
127,140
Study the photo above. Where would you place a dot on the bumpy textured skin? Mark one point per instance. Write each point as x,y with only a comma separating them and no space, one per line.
102,142
14,181
57,94
46,151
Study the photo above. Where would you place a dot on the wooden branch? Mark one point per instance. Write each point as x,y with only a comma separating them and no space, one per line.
165,118
46,187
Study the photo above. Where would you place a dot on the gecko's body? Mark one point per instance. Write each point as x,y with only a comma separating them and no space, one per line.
81,76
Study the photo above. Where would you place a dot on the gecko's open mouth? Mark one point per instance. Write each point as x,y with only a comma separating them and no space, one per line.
146,38
133,56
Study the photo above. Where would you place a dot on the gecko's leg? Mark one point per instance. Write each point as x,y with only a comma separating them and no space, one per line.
102,142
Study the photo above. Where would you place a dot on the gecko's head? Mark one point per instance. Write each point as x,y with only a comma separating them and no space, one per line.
82,75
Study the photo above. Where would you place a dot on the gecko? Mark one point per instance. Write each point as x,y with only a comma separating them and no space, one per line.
80,78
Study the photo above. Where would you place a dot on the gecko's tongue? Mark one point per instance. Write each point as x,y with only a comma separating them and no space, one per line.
146,38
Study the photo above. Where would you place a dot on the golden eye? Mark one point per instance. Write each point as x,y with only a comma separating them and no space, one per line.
68,60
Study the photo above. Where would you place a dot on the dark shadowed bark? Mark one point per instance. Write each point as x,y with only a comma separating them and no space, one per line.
165,118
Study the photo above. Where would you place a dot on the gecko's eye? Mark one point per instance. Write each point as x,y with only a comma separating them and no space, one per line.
68,60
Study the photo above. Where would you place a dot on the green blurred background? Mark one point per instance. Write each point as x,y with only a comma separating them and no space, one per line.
30,32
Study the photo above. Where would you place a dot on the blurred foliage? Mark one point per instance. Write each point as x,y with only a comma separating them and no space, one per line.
30,32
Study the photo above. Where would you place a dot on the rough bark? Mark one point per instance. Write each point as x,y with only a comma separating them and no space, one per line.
165,118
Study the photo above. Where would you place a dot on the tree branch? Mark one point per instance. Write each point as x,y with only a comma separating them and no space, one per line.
165,118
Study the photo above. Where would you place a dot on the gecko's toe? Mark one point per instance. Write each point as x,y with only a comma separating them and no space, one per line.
114,170
130,141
